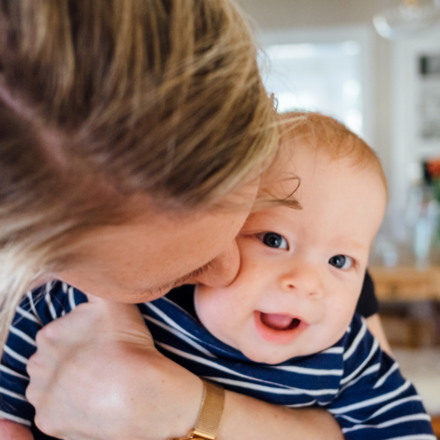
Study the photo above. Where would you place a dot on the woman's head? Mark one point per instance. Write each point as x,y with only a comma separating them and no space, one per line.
113,109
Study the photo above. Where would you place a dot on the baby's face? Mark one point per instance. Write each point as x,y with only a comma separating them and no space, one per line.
301,270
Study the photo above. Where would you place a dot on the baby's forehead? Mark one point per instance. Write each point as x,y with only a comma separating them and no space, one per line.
324,143
300,159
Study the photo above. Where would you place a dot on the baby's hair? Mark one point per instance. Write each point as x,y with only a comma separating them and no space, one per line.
326,133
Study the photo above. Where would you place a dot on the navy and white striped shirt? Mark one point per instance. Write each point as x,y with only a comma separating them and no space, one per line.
354,380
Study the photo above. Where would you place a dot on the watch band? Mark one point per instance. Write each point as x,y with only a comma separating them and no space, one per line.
210,414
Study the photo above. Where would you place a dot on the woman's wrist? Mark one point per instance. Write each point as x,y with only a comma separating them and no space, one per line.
179,391
185,414
210,413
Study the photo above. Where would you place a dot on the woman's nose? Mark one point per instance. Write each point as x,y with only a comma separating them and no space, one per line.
223,269
302,278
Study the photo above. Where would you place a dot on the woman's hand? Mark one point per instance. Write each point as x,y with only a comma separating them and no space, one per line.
97,375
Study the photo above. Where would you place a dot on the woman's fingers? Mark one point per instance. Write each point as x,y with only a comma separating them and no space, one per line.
83,375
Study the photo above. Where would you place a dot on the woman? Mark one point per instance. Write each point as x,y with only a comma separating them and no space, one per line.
132,137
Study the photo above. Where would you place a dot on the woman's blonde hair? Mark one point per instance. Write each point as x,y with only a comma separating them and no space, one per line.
106,99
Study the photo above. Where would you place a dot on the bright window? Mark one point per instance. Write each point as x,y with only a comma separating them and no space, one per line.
323,77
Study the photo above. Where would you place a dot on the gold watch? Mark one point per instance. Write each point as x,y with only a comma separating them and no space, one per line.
211,411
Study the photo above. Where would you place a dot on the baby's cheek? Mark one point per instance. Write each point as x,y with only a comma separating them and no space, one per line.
210,305
217,312
338,318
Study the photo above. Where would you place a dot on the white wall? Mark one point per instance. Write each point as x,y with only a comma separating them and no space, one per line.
303,13
270,15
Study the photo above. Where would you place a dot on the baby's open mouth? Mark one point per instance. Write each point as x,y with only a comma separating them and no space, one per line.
278,328
279,322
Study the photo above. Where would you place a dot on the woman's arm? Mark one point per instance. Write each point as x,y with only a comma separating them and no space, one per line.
368,307
374,324
13,431
246,418
96,374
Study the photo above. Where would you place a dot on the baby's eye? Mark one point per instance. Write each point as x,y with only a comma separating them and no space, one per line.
273,240
341,261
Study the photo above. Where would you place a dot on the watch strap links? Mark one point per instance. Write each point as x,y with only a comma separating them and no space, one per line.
210,414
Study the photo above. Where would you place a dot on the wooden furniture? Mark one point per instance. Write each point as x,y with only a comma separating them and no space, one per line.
410,304
436,426
406,283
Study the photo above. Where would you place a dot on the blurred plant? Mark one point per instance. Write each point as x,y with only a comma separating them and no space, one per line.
431,169
432,175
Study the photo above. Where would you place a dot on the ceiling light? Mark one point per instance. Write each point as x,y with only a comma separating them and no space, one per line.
406,17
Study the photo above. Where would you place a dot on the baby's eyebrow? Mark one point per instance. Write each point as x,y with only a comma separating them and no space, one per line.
351,244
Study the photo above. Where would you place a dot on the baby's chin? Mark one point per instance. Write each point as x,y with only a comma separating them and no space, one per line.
267,357
278,355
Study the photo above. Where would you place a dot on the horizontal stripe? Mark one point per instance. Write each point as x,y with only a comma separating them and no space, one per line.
12,372
362,365
33,308
5,415
370,370
71,296
333,350
27,315
52,310
388,423
217,366
169,321
266,389
415,437
393,405
180,335
383,409
48,286
373,401
348,353
382,380
302,405
15,355
22,335
309,371
12,394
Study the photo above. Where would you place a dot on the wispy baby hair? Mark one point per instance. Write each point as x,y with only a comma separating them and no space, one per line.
326,133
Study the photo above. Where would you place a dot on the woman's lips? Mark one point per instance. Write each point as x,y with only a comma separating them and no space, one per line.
278,328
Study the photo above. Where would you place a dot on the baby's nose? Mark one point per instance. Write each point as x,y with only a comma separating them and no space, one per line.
303,278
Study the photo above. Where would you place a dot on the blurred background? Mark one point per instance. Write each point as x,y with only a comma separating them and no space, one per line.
375,65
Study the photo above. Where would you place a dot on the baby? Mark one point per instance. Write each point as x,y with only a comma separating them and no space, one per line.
284,331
